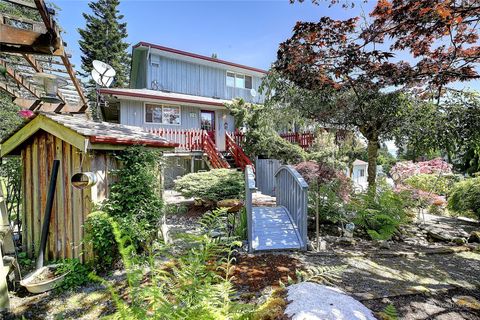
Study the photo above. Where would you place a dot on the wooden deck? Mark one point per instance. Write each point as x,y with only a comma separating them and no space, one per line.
273,229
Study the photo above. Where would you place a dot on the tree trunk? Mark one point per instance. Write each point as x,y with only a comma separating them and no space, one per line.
372,150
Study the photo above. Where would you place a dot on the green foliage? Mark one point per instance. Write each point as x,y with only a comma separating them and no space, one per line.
99,235
24,261
241,225
11,175
261,137
389,313
134,201
386,159
327,275
215,220
193,285
378,213
171,209
213,185
465,197
438,184
76,274
9,115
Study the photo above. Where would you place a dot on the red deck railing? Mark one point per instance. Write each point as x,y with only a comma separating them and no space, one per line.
241,159
304,140
193,140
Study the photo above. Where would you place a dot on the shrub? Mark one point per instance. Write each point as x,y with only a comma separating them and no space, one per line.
403,170
435,183
213,185
465,197
77,274
99,235
134,201
378,213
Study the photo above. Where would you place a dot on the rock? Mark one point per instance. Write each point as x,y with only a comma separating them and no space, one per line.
467,302
439,235
459,241
346,241
318,302
474,236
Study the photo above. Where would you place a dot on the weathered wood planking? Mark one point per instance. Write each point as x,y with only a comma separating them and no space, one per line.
71,206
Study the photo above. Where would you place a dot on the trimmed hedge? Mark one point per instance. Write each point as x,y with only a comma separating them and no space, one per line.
213,185
465,197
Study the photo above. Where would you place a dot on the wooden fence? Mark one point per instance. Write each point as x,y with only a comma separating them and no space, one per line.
265,170
304,140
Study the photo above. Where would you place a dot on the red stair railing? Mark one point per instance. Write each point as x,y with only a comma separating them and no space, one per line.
241,159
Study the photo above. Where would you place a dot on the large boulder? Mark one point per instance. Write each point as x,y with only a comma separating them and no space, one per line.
318,302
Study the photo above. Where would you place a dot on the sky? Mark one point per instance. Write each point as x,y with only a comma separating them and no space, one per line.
246,32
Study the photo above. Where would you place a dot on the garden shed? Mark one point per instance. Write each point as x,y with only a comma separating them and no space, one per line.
81,145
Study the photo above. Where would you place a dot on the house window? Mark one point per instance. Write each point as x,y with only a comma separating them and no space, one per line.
237,80
156,113
362,172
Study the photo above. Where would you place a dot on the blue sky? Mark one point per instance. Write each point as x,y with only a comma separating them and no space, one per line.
246,32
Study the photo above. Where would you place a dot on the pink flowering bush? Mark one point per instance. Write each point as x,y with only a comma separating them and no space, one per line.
404,169
25,113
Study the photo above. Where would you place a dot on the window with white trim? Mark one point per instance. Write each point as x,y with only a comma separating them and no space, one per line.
237,80
158,113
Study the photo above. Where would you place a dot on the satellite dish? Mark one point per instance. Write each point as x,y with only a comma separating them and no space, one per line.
102,73
253,92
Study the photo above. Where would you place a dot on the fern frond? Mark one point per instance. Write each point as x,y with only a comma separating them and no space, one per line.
322,274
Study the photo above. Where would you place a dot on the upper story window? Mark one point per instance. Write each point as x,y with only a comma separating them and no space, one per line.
238,80
163,114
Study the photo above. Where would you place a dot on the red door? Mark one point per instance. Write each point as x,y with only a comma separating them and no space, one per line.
207,123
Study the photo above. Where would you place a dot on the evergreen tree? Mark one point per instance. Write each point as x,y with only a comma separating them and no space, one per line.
103,39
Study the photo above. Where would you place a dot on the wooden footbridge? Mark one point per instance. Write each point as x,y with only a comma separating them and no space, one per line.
283,227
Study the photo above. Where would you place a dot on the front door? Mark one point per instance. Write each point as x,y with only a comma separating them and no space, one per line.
207,119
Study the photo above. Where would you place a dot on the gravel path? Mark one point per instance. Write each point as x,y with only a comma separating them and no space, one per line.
419,282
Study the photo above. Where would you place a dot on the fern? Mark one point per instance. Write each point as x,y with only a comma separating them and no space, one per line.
322,274
389,313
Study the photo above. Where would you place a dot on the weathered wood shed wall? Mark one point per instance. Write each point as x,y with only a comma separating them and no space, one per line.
71,205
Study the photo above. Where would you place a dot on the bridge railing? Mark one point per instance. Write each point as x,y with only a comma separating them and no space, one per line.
250,188
291,191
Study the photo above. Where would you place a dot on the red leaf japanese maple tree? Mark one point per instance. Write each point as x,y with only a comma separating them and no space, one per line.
359,57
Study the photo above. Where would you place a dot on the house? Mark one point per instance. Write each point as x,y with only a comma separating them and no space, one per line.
174,90
83,147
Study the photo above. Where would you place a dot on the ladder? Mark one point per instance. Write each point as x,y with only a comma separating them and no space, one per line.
7,250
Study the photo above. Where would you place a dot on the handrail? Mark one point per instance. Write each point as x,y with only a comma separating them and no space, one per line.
291,192
249,190
216,159
241,159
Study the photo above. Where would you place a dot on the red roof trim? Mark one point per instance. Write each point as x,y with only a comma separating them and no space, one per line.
127,141
197,56
153,96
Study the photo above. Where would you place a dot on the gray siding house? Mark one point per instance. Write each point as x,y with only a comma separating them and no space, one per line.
177,90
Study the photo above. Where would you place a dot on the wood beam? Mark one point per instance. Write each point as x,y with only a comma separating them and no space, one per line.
76,83
20,80
33,105
23,3
46,17
6,88
26,41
